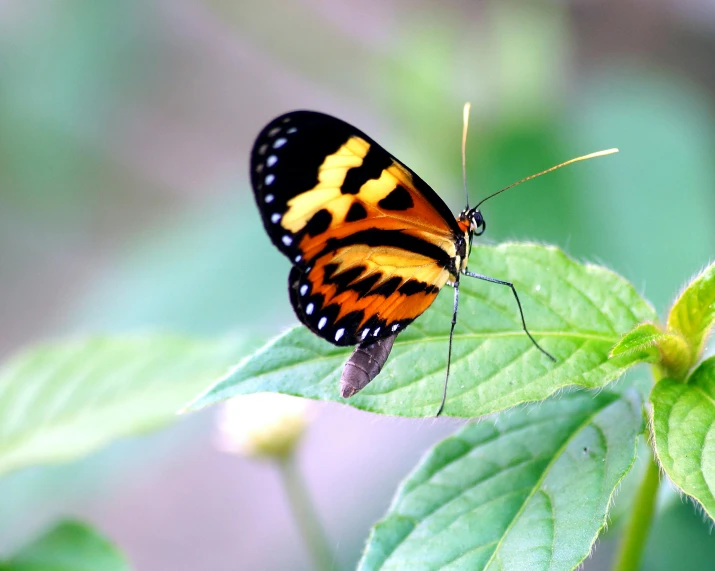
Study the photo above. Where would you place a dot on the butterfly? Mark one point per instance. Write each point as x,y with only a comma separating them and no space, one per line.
371,243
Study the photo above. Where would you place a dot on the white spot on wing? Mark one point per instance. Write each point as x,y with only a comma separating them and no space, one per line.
364,333
270,178
273,132
395,327
376,332
339,334
309,309
322,322
275,218
303,289
280,142
298,258
287,240
270,161
259,168
292,130
269,198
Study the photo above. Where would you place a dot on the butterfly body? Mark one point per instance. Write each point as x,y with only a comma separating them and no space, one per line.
370,242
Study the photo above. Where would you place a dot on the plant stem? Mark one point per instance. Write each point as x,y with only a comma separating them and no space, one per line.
634,539
304,513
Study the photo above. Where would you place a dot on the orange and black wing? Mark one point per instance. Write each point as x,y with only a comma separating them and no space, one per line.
371,243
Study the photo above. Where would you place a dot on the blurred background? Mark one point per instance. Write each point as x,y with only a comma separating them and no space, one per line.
125,129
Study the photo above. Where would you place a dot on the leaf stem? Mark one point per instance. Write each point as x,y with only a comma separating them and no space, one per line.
634,539
304,513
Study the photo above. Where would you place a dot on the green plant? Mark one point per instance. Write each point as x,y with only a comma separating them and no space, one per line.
68,546
525,488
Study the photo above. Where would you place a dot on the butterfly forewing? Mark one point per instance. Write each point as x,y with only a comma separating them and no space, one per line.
372,244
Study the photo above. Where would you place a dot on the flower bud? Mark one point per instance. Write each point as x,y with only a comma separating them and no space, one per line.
261,425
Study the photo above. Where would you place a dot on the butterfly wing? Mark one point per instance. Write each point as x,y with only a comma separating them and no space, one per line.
371,243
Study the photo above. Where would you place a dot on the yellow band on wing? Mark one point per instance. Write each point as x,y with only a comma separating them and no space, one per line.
331,177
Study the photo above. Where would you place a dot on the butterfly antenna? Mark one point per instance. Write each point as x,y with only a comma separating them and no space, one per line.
577,159
465,126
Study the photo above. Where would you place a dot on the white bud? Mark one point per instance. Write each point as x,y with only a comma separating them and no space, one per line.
261,425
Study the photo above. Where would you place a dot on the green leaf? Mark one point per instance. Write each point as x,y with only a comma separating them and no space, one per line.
690,321
576,311
527,491
684,433
647,342
64,400
693,315
68,546
641,341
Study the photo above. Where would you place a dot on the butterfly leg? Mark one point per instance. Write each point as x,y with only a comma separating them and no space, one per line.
518,303
455,285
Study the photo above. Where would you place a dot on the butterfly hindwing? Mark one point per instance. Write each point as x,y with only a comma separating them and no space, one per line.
355,294
371,243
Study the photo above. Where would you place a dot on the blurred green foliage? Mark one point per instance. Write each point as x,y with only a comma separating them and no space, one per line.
125,127
681,539
68,546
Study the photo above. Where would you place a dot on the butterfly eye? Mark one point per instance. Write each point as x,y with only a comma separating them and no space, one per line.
478,226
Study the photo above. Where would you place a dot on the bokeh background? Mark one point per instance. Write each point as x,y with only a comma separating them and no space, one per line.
125,128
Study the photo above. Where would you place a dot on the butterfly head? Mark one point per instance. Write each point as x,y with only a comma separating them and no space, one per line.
472,222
